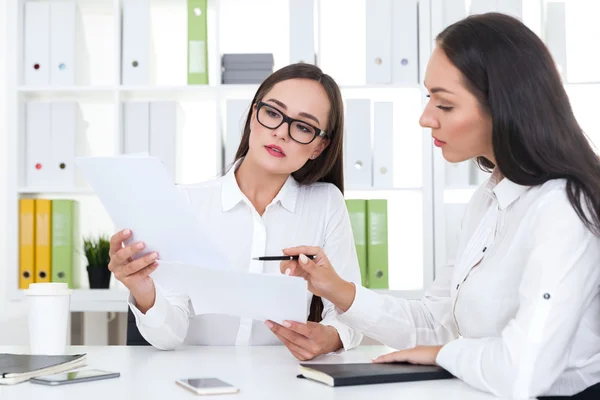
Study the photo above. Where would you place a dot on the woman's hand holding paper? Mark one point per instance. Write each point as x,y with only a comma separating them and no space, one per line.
134,274
306,341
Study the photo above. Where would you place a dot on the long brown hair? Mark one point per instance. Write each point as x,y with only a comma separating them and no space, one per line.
329,166
535,135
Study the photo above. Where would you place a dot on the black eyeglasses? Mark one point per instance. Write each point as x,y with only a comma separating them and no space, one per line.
300,131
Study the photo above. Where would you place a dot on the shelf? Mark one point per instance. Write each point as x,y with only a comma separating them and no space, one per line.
92,300
185,92
376,192
405,294
167,88
66,89
203,121
104,93
172,92
187,88
382,86
239,86
55,191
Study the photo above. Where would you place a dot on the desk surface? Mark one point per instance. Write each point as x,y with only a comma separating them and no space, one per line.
259,373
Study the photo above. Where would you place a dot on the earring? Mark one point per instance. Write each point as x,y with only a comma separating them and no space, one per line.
313,157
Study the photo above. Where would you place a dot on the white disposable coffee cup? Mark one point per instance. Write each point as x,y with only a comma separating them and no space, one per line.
49,309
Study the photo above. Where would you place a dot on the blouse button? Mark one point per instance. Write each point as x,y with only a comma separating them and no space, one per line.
546,296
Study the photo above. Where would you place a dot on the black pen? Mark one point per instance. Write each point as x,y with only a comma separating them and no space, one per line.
281,258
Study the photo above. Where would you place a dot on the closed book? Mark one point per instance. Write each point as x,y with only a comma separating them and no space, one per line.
43,240
247,66
358,155
38,143
135,56
247,60
246,81
15,368
166,126
36,37
377,243
197,36
64,254
371,373
302,32
26,242
357,211
62,42
256,74
136,127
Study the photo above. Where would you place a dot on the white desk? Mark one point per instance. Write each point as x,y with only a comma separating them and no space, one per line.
260,373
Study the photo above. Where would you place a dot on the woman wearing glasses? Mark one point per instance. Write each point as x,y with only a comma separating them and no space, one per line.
284,189
518,315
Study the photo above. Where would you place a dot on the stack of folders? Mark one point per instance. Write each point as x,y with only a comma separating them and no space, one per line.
369,220
246,68
51,129
52,36
48,241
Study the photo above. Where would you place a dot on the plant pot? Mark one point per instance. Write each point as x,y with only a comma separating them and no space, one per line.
99,277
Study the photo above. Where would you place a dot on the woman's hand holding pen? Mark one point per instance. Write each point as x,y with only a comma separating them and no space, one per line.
133,274
321,276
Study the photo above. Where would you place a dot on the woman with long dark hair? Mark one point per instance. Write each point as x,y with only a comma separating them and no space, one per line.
518,315
284,188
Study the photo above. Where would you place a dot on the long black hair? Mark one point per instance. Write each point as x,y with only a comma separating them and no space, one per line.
535,135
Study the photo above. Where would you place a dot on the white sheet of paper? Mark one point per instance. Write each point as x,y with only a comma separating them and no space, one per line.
257,296
138,194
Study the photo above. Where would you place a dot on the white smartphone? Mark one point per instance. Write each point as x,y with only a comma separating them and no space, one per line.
206,386
64,378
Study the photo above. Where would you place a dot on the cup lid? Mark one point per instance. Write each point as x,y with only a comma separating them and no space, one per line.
48,289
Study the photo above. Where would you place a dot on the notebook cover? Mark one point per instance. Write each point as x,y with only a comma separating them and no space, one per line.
14,364
370,373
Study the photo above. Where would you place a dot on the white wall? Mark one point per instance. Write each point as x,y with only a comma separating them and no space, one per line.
13,321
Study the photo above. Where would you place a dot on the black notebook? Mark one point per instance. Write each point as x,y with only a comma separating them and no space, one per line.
370,373
15,368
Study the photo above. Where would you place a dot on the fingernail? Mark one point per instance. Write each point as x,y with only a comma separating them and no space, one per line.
153,256
286,324
303,259
140,245
268,324
126,232
288,271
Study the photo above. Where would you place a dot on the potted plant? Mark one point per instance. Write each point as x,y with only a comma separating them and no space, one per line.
96,252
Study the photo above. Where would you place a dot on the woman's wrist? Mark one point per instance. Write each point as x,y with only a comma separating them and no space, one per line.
343,295
145,300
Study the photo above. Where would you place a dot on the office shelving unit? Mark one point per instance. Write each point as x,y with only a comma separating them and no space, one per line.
419,225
